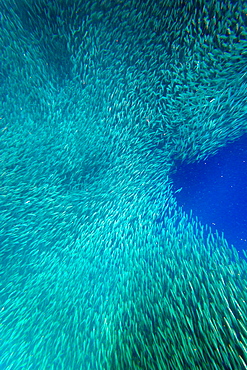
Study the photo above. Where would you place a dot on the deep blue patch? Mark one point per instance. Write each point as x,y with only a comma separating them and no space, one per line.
216,191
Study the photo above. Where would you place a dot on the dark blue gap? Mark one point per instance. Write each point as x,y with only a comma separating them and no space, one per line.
216,191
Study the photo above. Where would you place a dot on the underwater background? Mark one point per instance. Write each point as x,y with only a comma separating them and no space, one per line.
123,185
216,190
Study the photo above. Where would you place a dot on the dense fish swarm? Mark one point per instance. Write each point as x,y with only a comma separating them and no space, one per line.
100,268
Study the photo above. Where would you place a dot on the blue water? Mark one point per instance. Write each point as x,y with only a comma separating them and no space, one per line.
216,191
